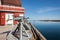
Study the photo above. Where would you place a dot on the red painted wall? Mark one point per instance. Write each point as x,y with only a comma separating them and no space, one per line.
2,18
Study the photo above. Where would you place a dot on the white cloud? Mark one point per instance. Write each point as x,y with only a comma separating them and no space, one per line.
43,10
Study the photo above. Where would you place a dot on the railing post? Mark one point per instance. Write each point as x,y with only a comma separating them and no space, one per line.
21,31
21,26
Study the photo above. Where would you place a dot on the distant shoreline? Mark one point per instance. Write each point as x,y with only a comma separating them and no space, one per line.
47,20
51,20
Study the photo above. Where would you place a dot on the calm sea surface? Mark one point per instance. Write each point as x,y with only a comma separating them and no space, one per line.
51,30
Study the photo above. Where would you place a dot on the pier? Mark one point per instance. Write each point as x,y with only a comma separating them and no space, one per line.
14,25
23,30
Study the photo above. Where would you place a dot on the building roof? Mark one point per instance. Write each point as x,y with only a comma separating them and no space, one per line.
11,2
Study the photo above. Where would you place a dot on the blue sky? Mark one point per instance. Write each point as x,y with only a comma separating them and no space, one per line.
42,9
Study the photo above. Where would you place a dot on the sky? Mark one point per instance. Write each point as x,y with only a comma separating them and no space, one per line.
42,9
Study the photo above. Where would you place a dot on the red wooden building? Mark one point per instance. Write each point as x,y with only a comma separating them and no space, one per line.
9,10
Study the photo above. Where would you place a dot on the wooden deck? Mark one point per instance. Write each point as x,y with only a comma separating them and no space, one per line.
33,33
4,29
8,28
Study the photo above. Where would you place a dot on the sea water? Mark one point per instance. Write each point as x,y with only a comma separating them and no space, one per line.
50,30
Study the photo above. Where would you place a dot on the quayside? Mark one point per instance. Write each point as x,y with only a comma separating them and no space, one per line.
24,30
